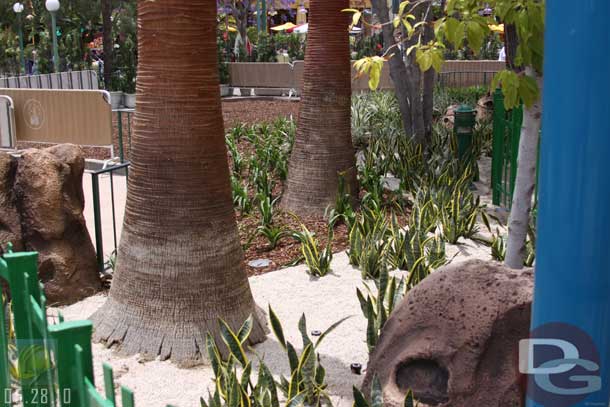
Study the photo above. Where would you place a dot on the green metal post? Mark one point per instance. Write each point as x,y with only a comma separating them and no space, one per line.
258,16
66,337
499,118
264,15
120,124
55,51
23,281
127,397
5,379
109,384
463,128
97,215
129,132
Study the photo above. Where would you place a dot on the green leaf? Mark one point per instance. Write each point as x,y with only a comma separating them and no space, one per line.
293,358
269,383
330,329
454,31
359,399
293,387
374,76
409,399
303,330
245,375
246,329
423,59
475,35
233,343
528,90
296,401
376,393
307,364
320,375
213,354
276,326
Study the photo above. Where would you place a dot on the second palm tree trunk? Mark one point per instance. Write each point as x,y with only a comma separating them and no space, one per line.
323,147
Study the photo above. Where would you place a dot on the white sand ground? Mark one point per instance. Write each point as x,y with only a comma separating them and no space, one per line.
290,292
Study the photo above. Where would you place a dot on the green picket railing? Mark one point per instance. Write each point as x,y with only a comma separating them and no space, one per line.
52,364
505,149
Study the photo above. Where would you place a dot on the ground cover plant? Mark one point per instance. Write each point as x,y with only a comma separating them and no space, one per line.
413,199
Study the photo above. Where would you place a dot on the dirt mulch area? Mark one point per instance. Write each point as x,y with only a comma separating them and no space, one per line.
235,111
288,250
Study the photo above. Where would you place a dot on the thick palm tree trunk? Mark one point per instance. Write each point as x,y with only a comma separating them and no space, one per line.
323,146
180,263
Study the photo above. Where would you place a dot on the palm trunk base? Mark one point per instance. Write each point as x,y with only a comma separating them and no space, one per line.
182,343
309,194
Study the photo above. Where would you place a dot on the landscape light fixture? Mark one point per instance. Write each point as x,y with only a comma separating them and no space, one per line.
53,6
18,9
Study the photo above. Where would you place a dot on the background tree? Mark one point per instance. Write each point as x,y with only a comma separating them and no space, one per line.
323,146
180,262
463,23
414,94
108,42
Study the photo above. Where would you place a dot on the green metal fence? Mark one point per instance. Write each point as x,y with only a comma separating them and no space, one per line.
506,135
124,146
112,171
43,364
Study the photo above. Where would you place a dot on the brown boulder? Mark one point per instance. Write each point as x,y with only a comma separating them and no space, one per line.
50,201
10,225
454,339
448,119
485,108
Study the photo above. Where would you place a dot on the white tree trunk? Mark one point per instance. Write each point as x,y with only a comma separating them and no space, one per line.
525,182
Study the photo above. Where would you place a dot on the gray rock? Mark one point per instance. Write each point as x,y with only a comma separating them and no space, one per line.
454,339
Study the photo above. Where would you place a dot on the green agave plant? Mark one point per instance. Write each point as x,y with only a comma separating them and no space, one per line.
308,376
273,234
318,260
378,305
376,398
241,200
233,375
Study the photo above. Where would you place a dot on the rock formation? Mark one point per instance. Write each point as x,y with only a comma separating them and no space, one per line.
454,339
41,209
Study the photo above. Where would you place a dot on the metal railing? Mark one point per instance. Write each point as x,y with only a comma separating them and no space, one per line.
45,364
113,170
465,79
7,122
124,149
85,80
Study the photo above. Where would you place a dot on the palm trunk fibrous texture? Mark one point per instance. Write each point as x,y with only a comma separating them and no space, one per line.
180,263
323,147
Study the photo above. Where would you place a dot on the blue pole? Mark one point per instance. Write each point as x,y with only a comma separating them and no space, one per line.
572,283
